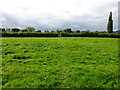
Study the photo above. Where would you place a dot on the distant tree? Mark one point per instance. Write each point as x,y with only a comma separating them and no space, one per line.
39,31
0,29
110,24
8,29
24,30
68,30
3,30
52,31
15,29
60,31
78,31
30,29
46,31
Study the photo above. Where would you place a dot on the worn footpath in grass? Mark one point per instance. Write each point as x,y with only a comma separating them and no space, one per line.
60,62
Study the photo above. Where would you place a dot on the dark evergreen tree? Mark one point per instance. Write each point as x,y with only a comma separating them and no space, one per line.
15,29
78,31
68,30
3,30
39,31
110,24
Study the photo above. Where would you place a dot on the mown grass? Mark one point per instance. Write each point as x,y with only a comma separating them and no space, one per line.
60,62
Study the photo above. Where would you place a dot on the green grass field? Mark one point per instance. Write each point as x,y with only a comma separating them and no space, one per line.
60,62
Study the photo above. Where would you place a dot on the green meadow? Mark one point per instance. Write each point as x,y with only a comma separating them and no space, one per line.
71,62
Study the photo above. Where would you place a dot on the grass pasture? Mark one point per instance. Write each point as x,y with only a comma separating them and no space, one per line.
60,62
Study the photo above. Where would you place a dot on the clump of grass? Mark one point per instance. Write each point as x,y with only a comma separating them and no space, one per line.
21,56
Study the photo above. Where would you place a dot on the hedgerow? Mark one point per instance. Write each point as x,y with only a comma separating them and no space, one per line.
62,34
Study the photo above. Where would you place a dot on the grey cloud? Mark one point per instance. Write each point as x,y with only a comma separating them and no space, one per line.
95,20
9,20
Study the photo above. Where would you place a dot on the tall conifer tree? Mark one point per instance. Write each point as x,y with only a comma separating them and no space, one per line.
110,24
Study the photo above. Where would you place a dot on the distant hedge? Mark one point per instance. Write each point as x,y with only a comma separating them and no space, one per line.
55,34
112,35
29,34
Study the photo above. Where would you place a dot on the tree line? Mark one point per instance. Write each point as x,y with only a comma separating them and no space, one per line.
58,33
31,32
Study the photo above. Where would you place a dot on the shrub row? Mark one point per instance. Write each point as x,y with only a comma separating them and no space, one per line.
29,34
40,34
112,35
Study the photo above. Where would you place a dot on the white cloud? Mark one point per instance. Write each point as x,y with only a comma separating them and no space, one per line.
41,14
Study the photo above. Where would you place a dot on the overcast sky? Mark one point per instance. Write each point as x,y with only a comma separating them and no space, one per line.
58,14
